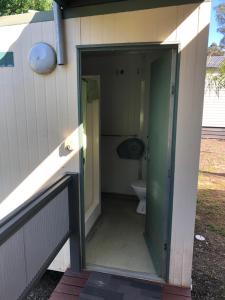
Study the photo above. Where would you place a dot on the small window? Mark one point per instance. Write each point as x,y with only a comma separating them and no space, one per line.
6,59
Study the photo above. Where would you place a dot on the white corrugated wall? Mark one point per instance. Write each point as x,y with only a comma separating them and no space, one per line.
38,112
214,107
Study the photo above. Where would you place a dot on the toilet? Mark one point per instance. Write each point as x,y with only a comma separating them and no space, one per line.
134,148
139,188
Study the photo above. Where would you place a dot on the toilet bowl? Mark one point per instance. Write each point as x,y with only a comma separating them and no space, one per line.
139,188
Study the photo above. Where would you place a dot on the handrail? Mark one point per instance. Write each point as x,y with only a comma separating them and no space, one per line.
15,221
23,213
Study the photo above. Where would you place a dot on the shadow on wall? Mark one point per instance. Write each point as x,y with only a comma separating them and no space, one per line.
38,115
39,112
188,138
44,172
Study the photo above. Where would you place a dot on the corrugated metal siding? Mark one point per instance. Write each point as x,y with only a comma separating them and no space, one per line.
25,252
35,102
214,108
48,227
214,61
13,277
37,112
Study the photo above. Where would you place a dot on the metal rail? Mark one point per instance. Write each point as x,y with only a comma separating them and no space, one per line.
32,235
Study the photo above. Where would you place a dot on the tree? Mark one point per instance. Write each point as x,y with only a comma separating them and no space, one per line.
217,81
220,17
215,50
12,7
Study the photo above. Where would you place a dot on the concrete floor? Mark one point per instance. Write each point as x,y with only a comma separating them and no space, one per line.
117,240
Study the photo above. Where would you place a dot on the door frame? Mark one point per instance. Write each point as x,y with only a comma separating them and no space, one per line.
128,47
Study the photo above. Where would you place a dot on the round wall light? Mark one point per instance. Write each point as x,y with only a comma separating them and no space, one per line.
42,58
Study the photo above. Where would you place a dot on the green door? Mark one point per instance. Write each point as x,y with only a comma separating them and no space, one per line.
159,157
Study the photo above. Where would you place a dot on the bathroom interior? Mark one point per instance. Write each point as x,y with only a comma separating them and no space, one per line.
117,240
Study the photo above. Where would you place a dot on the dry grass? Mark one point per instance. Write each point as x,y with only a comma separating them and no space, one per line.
211,194
209,256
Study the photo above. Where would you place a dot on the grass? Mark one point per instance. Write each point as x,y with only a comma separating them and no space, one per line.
216,229
209,256
211,186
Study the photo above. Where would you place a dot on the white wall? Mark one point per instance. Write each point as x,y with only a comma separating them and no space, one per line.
38,112
214,106
186,25
120,115
124,113
91,120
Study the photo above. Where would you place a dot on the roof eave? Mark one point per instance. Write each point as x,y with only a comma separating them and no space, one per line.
153,3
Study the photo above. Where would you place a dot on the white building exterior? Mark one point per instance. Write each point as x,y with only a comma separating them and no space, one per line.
214,99
39,112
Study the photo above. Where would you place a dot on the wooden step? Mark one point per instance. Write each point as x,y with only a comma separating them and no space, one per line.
70,285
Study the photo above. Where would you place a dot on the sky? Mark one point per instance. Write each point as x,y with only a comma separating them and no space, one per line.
214,36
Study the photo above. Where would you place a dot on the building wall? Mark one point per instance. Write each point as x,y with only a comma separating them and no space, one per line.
39,112
214,106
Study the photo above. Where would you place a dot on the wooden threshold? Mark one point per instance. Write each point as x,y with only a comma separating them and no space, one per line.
171,292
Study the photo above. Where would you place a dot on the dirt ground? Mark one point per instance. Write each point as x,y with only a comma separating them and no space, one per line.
45,287
209,255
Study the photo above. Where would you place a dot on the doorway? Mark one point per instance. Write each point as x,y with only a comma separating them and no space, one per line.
127,111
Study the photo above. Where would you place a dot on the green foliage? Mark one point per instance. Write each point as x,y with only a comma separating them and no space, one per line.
220,16
215,50
217,82
12,7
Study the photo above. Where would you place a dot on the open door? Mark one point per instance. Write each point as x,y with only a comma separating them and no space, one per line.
91,161
159,158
